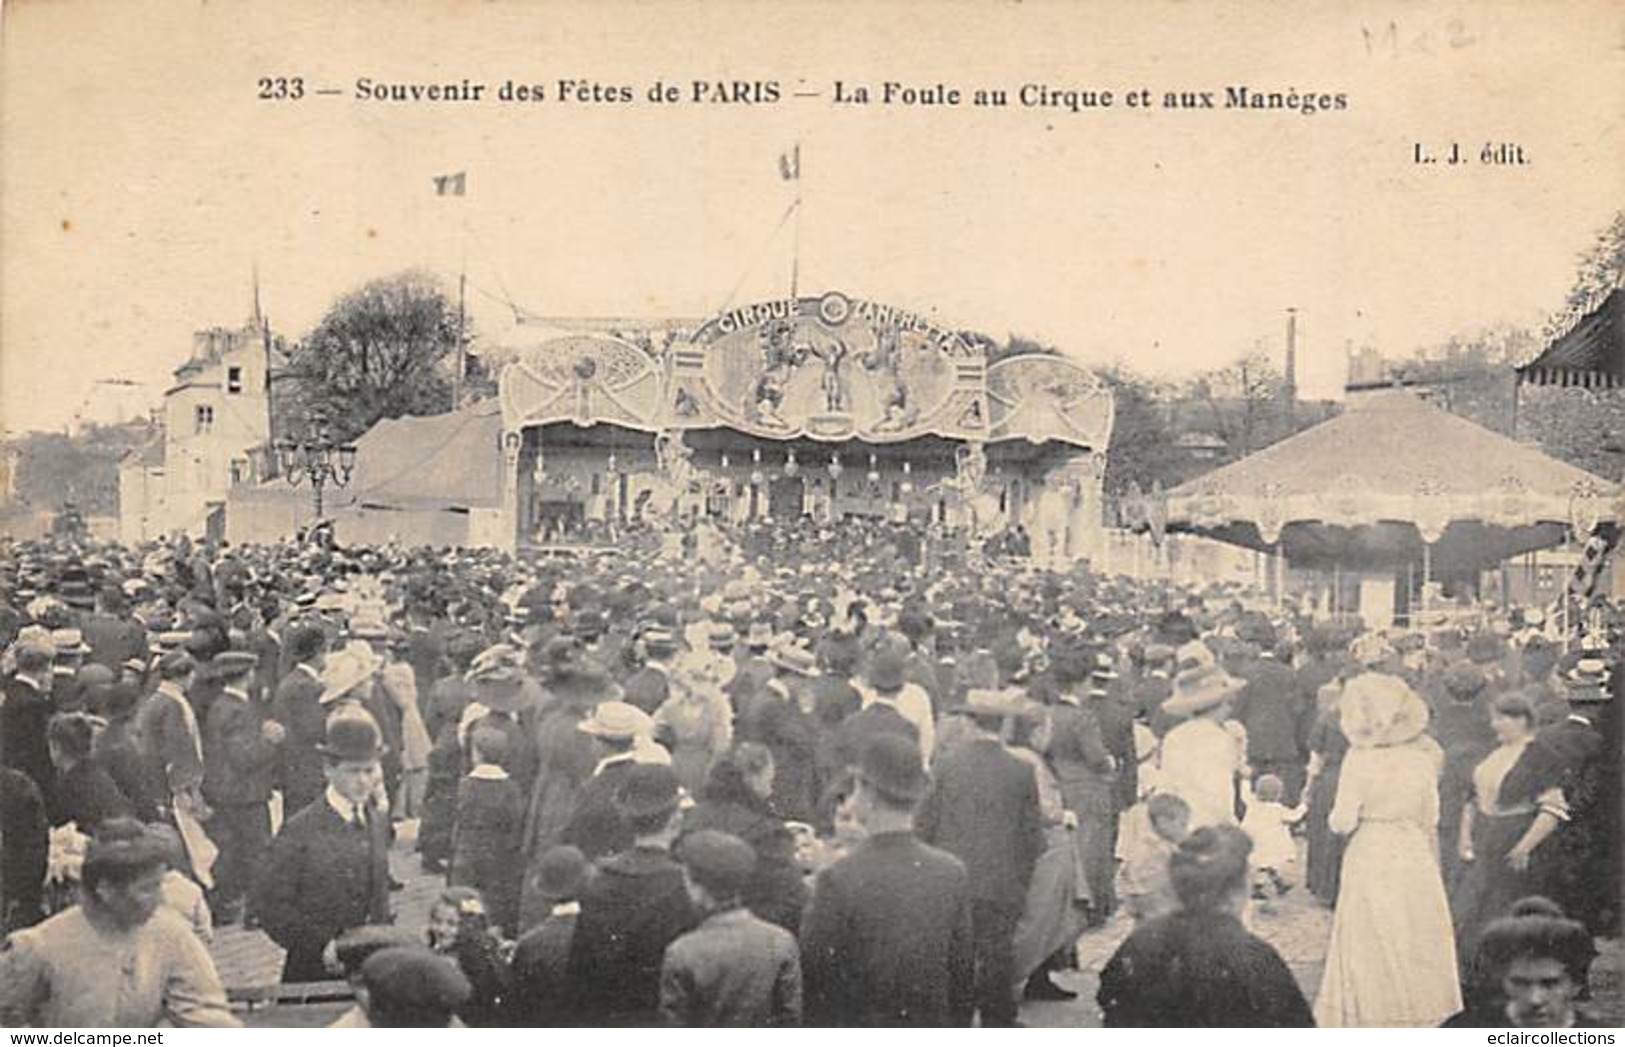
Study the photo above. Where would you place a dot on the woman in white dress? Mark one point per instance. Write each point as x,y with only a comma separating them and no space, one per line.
1392,956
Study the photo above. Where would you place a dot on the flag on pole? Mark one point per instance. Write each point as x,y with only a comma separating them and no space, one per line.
790,164
451,185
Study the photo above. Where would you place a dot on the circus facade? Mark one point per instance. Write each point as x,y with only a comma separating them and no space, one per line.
832,407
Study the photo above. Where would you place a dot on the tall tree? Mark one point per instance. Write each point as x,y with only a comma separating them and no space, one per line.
383,351
1601,269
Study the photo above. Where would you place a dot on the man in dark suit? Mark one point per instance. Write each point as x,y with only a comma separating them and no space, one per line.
298,708
239,758
328,870
1270,708
634,906
983,809
170,738
26,711
886,939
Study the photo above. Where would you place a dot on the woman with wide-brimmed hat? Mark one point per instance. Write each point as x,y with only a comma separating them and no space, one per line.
1203,755
1392,957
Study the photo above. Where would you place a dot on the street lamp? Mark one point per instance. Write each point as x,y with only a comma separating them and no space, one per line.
316,459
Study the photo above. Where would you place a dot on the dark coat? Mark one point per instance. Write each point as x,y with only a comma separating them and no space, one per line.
24,714
776,891
876,718
886,939
648,689
541,969
24,845
983,810
635,905
485,852
596,825
1270,708
86,795
779,724
323,877
297,707
1199,970
238,762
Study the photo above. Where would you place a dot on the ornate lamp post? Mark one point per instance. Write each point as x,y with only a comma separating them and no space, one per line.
318,460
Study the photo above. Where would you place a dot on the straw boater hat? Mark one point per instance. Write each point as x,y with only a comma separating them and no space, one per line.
345,670
1379,710
616,721
792,659
1198,689
497,676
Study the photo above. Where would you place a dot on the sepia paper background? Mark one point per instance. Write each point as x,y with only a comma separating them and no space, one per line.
143,183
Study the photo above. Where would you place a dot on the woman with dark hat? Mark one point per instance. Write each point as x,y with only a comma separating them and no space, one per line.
328,870
1199,967
1536,962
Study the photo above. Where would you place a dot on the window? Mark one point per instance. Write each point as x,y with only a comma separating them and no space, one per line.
234,379
239,469
203,418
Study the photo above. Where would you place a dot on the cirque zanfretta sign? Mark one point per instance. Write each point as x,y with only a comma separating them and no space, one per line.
833,368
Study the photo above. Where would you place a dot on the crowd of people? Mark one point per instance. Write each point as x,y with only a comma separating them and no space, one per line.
834,779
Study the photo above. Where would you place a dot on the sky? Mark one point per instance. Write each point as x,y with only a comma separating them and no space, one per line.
142,183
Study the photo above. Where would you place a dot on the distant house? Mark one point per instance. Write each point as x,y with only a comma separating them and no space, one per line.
216,428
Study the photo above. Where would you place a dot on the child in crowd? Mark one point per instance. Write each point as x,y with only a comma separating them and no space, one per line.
180,892
349,951
735,969
1269,822
490,823
1152,831
460,930
541,959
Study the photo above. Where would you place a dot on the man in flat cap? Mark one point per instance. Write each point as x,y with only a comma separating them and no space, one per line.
886,940
328,869
239,758
735,969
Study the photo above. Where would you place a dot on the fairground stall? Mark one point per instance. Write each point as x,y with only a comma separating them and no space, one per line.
832,407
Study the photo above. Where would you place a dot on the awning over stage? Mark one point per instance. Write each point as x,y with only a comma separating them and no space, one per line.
1369,487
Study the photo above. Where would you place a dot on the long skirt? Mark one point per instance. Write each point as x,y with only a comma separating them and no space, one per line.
1325,848
1391,960
1053,917
1486,887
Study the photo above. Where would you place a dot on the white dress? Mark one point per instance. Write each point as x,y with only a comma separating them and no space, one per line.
1200,760
1392,956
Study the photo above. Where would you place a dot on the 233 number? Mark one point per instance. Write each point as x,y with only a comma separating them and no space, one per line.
281,88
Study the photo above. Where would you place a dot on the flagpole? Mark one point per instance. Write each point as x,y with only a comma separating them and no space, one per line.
795,241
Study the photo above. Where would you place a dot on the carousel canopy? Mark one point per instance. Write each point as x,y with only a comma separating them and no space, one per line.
1369,487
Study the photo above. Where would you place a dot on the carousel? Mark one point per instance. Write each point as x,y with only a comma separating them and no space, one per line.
829,407
1396,508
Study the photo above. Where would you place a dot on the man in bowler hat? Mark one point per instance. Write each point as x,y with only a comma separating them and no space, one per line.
886,940
239,757
328,869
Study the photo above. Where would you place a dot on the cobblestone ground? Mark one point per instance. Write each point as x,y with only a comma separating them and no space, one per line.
1297,926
